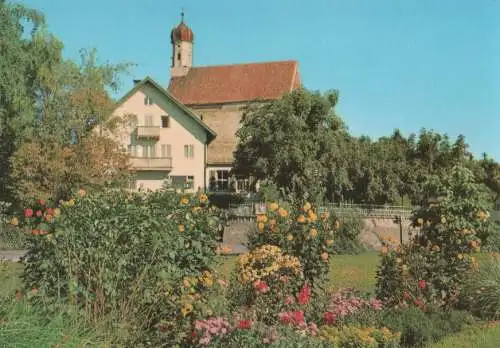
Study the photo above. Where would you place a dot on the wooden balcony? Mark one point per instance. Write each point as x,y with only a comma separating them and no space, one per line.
151,163
148,132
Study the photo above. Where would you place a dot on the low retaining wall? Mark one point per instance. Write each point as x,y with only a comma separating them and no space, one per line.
375,228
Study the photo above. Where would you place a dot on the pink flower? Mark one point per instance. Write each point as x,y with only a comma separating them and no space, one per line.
28,213
261,286
289,300
298,317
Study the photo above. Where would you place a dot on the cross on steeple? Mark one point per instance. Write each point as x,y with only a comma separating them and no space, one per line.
182,14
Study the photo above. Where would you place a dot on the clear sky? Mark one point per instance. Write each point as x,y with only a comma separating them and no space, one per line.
402,64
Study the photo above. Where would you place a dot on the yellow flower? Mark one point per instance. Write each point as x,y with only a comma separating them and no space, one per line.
184,200
329,242
324,256
260,226
289,237
337,224
301,219
203,198
57,212
307,206
325,216
187,309
443,220
273,206
460,256
398,260
181,228
283,212
313,232
82,193
420,222
71,202
14,221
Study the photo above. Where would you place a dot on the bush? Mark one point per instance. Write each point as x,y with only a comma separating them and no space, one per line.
298,232
481,290
266,281
430,269
122,253
352,336
347,236
419,329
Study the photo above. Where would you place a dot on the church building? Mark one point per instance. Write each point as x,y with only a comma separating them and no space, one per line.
216,96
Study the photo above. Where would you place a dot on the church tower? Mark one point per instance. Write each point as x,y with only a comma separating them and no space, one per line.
182,49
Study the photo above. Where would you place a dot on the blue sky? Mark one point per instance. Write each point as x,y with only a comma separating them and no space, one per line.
398,64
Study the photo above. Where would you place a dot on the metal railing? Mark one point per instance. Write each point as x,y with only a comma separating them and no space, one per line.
151,163
381,211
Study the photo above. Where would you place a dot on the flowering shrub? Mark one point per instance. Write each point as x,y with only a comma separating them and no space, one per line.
431,268
267,280
344,304
351,336
124,253
298,232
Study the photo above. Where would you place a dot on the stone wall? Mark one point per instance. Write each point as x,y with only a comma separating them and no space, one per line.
375,228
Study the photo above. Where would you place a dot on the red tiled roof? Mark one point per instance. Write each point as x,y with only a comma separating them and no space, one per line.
235,83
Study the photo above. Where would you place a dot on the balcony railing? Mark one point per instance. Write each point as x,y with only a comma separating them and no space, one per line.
151,163
148,131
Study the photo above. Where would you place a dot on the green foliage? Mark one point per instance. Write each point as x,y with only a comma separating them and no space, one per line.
347,236
431,268
122,252
419,329
352,336
480,292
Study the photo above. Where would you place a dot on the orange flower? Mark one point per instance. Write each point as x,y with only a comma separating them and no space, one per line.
289,237
283,213
184,200
203,198
262,218
301,219
307,206
329,242
312,216
181,228
260,226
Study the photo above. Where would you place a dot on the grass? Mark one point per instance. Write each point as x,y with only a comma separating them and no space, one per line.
10,277
473,338
346,271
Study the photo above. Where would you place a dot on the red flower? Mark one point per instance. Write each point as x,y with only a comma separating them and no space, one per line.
298,317
39,213
329,318
28,213
41,201
244,324
49,211
304,294
422,284
419,303
35,232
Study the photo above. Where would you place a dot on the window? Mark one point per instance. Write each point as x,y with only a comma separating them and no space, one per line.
148,101
166,150
149,150
243,185
148,120
189,151
179,56
165,121
182,182
132,150
219,180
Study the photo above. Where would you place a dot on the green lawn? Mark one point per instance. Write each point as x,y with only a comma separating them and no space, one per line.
10,280
473,338
347,271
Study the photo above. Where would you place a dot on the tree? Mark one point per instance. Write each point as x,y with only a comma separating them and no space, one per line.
289,142
47,98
